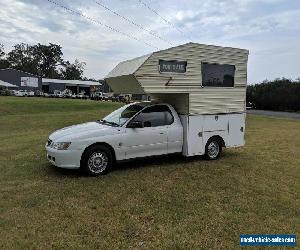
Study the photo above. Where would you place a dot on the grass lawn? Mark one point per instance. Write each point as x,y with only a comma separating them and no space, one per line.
161,203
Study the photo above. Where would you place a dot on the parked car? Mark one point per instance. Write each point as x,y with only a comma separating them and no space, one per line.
139,130
114,98
121,98
24,93
58,93
105,97
20,93
99,96
67,93
14,92
250,105
38,93
94,95
80,96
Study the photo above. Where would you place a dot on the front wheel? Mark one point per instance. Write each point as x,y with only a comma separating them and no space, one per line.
97,160
213,149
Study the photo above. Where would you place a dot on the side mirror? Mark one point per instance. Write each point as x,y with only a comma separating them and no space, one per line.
135,124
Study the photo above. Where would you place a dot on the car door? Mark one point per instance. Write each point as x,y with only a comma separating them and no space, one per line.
152,138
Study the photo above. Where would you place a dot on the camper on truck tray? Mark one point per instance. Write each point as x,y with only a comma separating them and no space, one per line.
198,108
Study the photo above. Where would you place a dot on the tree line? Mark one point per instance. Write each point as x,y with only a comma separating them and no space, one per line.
281,94
43,60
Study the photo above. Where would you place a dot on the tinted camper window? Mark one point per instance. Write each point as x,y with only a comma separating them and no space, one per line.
218,75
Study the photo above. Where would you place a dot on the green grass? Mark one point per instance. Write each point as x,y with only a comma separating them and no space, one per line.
161,203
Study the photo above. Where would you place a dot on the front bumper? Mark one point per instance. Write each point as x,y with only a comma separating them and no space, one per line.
64,158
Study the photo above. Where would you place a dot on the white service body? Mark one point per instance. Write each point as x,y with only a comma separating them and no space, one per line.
198,129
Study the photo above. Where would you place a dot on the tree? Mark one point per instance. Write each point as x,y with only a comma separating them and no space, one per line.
280,94
42,60
73,71
48,58
2,53
3,61
21,58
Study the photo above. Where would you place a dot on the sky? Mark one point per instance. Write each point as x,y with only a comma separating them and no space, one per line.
269,29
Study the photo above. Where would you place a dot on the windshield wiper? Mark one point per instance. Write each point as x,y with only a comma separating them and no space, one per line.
108,122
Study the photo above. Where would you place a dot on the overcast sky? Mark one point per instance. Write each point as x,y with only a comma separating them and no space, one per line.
269,29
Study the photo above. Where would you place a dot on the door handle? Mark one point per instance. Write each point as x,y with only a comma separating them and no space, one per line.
161,133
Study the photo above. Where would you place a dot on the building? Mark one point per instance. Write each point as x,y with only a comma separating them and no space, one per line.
76,86
28,81
22,80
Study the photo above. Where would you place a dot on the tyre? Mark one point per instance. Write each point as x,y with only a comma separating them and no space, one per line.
97,160
213,148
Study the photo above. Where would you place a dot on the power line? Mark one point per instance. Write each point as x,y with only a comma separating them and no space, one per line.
133,22
164,19
74,12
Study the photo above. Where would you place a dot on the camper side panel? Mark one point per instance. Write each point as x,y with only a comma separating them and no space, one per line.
216,100
153,81
202,99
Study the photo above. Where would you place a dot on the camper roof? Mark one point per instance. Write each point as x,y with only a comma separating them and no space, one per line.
128,67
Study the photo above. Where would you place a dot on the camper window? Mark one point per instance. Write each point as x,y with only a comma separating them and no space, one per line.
217,75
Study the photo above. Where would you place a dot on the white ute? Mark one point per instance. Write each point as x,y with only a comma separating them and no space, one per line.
198,93
134,130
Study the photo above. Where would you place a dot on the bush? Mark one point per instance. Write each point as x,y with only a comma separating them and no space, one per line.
5,92
280,94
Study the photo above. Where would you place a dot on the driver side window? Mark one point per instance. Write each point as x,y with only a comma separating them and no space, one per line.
154,116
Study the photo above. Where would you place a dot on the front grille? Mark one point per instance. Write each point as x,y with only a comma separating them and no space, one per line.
49,142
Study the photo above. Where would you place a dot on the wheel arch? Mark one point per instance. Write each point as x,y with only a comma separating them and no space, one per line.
219,138
113,153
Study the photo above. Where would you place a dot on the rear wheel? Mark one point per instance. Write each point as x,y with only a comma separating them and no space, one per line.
213,149
97,160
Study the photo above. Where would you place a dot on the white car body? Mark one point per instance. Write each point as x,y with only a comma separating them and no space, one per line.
126,142
67,93
99,96
103,96
80,96
24,93
14,92
58,93
187,134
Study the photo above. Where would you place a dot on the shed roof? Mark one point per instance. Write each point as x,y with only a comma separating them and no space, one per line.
17,70
73,82
8,85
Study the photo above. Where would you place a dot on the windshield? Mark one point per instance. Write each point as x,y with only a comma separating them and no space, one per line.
122,115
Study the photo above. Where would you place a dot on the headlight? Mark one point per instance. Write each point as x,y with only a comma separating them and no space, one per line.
61,145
